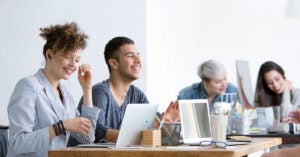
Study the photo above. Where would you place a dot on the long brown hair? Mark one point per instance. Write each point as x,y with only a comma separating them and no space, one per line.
263,95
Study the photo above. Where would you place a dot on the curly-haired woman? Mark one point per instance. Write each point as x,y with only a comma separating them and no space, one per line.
42,113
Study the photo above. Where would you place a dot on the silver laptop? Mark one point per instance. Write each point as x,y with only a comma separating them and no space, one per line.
137,117
195,120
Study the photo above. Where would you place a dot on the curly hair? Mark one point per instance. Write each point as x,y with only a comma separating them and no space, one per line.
67,37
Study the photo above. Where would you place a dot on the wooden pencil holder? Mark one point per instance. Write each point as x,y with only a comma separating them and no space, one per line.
151,137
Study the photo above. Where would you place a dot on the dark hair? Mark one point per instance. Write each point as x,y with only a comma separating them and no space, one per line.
113,46
67,37
263,95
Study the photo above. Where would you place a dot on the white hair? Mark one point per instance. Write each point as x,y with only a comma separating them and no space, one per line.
211,69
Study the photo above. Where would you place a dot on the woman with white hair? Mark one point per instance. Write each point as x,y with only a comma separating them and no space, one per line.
213,84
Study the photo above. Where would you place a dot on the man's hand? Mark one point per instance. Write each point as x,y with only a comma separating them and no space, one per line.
172,113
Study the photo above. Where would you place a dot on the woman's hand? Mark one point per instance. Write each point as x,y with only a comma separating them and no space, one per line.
287,86
78,125
85,76
85,80
295,116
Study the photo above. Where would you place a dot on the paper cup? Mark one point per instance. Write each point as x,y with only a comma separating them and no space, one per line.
218,125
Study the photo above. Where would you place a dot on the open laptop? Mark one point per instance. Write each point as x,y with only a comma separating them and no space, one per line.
245,90
195,120
137,117
244,83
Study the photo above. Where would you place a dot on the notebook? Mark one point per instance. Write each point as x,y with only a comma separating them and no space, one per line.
137,117
195,120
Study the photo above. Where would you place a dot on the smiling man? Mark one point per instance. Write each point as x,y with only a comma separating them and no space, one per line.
114,94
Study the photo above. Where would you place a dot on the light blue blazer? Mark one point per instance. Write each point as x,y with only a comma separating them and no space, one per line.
32,108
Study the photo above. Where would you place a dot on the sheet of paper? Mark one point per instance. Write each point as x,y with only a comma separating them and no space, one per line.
265,117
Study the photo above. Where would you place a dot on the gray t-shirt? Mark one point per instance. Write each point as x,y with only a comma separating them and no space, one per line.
111,115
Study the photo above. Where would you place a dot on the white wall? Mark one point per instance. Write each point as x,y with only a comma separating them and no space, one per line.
21,46
177,35
183,34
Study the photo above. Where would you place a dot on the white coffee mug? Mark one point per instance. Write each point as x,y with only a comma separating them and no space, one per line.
218,124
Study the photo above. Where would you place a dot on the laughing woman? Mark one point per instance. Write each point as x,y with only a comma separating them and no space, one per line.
42,113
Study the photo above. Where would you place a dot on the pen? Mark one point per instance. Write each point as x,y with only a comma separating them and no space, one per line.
251,113
161,124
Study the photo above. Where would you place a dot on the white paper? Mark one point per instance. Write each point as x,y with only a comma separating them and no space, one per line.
265,117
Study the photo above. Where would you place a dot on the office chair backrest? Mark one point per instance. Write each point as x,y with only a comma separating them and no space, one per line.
3,146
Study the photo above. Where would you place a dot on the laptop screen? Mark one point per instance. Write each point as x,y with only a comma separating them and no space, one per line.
137,117
244,83
195,120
